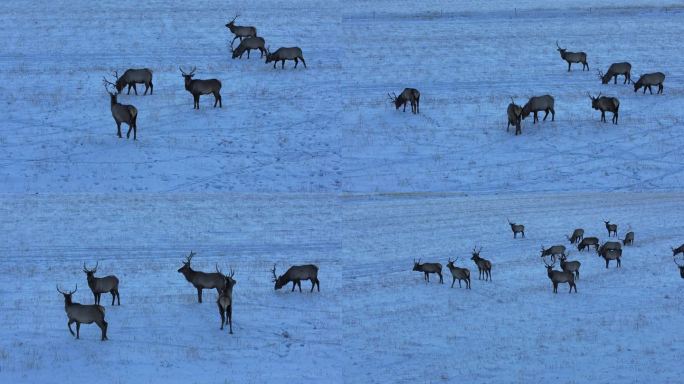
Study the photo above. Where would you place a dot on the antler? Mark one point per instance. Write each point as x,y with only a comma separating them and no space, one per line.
600,73
590,96
234,18
86,270
218,270
547,264
512,101
189,257
232,273
275,278
64,293
558,45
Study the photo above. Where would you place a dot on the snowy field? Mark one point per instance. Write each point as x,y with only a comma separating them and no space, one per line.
315,166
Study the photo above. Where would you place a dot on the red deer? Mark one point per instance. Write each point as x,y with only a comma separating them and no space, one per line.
605,103
612,228
199,87
516,228
484,266
240,31
122,113
629,239
458,274
295,275
573,57
577,236
282,54
100,285
408,95
570,266
201,280
427,269
588,242
539,103
247,45
83,314
225,299
612,254
616,69
558,277
135,76
556,250
513,112
650,79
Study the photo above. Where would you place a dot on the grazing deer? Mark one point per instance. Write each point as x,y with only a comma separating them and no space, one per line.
556,250
201,280
516,228
616,69
83,314
100,285
408,95
650,79
605,103
577,236
427,269
296,274
199,87
588,242
539,103
573,57
612,254
570,266
558,277
612,228
225,299
609,245
458,274
247,45
282,54
240,31
484,266
678,250
513,112
629,239
132,77
681,267
122,113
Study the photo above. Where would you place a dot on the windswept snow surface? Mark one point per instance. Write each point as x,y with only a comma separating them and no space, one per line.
314,166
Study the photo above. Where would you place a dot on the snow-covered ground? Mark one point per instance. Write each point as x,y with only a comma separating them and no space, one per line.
314,166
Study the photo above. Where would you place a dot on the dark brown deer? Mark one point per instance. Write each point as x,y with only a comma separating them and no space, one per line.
650,79
427,269
570,266
516,228
135,76
201,280
240,31
198,87
605,103
122,113
100,285
484,266
680,265
514,112
609,245
458,274
612,228
295,275
573,57
282,54
576,237
556,250
612,254
225,299
678,250
629,239
588,242
616,69
558,277
539,103
247,45
408,95
83,314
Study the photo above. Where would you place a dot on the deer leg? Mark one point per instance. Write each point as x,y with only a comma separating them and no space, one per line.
113,295
199,295
536,118
118,129
134,89
230,318
103,327
128,134
129,89
223,317
294,284
568,66
441,280
282,66
78,330
147,86
660,88
546,113
299,284
151,88
296,62
69,325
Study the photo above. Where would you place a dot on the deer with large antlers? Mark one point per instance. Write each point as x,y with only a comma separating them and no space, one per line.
484,266
408,95
458,274
573,57
558,277
427,269
616,69
100,285
198,87
122,113
516,228
83,314
225,299
240,31
201,280
295,275
605,103
555,250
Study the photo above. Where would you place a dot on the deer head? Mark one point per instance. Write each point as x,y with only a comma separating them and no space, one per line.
186,263
90,272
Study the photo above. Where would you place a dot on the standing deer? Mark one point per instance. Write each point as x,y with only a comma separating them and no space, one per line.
199,87
612,228
122,113
612,254
516,228
678,250
650,79
282,54
539,103
556,250
427,269
201,280
616,69
458,274
605,103
240,31
573,57
681,267
225,299
558,277
570,266
484,266
296,274
513,112
577,236
408,95
247,45
609,245
135,76
588,242
83,314
629,239
100,285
